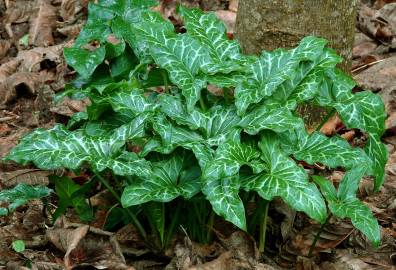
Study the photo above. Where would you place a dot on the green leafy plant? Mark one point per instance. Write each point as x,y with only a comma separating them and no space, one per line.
188,140
18,246
20,195
71,194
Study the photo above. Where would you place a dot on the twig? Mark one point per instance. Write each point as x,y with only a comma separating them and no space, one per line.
7,118
367,65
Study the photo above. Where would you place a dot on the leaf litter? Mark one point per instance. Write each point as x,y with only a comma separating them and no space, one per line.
30,74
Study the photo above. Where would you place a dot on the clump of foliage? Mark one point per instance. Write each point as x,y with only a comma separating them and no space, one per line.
190,141
20,195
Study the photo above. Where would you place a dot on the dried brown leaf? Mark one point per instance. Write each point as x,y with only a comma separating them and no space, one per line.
306,264
8,68
27,176
24,82
233,5
18,12
229,18
68,10
33,218
71,31
5,45
348,135
330,127
288,221
68,107
40,33
391,121
85,246
300,244
8,142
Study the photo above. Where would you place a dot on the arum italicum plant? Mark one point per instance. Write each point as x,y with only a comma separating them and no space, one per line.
192,141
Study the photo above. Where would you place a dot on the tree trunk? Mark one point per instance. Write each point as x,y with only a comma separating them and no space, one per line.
267,25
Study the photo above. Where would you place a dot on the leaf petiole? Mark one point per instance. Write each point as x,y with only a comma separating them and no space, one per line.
118,198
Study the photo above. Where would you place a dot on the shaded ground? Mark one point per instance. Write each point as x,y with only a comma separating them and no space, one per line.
33,34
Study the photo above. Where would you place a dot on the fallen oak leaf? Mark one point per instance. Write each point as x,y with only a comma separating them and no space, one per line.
4,47
40,33
26,82
18,12
8,68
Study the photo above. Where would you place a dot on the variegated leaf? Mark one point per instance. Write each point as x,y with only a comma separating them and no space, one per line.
274,117
174,108
222,125
229,157
378,154
333,152
284,178
216,125
364,110
223,194
20,195
180,55
274,68
210,32
167,181
173,136
84,61
349,206
60,148
131,102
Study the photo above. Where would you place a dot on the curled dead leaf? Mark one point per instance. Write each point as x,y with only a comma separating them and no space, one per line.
8,68
40,33
348,135
40,58
5,45
379,24
71,31
229,18
68,106
18,12
23,83
85,246
217,91
299,245
33,218
68,10
330,127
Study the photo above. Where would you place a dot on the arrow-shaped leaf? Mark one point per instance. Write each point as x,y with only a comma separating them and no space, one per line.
284,178
346,205
167,181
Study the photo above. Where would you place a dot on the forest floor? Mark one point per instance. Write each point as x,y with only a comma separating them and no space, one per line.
33,34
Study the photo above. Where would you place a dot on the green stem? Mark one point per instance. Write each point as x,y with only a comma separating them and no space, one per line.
202,103
210,226
132,73
263,226
226,95
118,198
172,226
311,249
328,116
165,78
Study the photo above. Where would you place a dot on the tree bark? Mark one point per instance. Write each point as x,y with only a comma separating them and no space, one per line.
267,25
